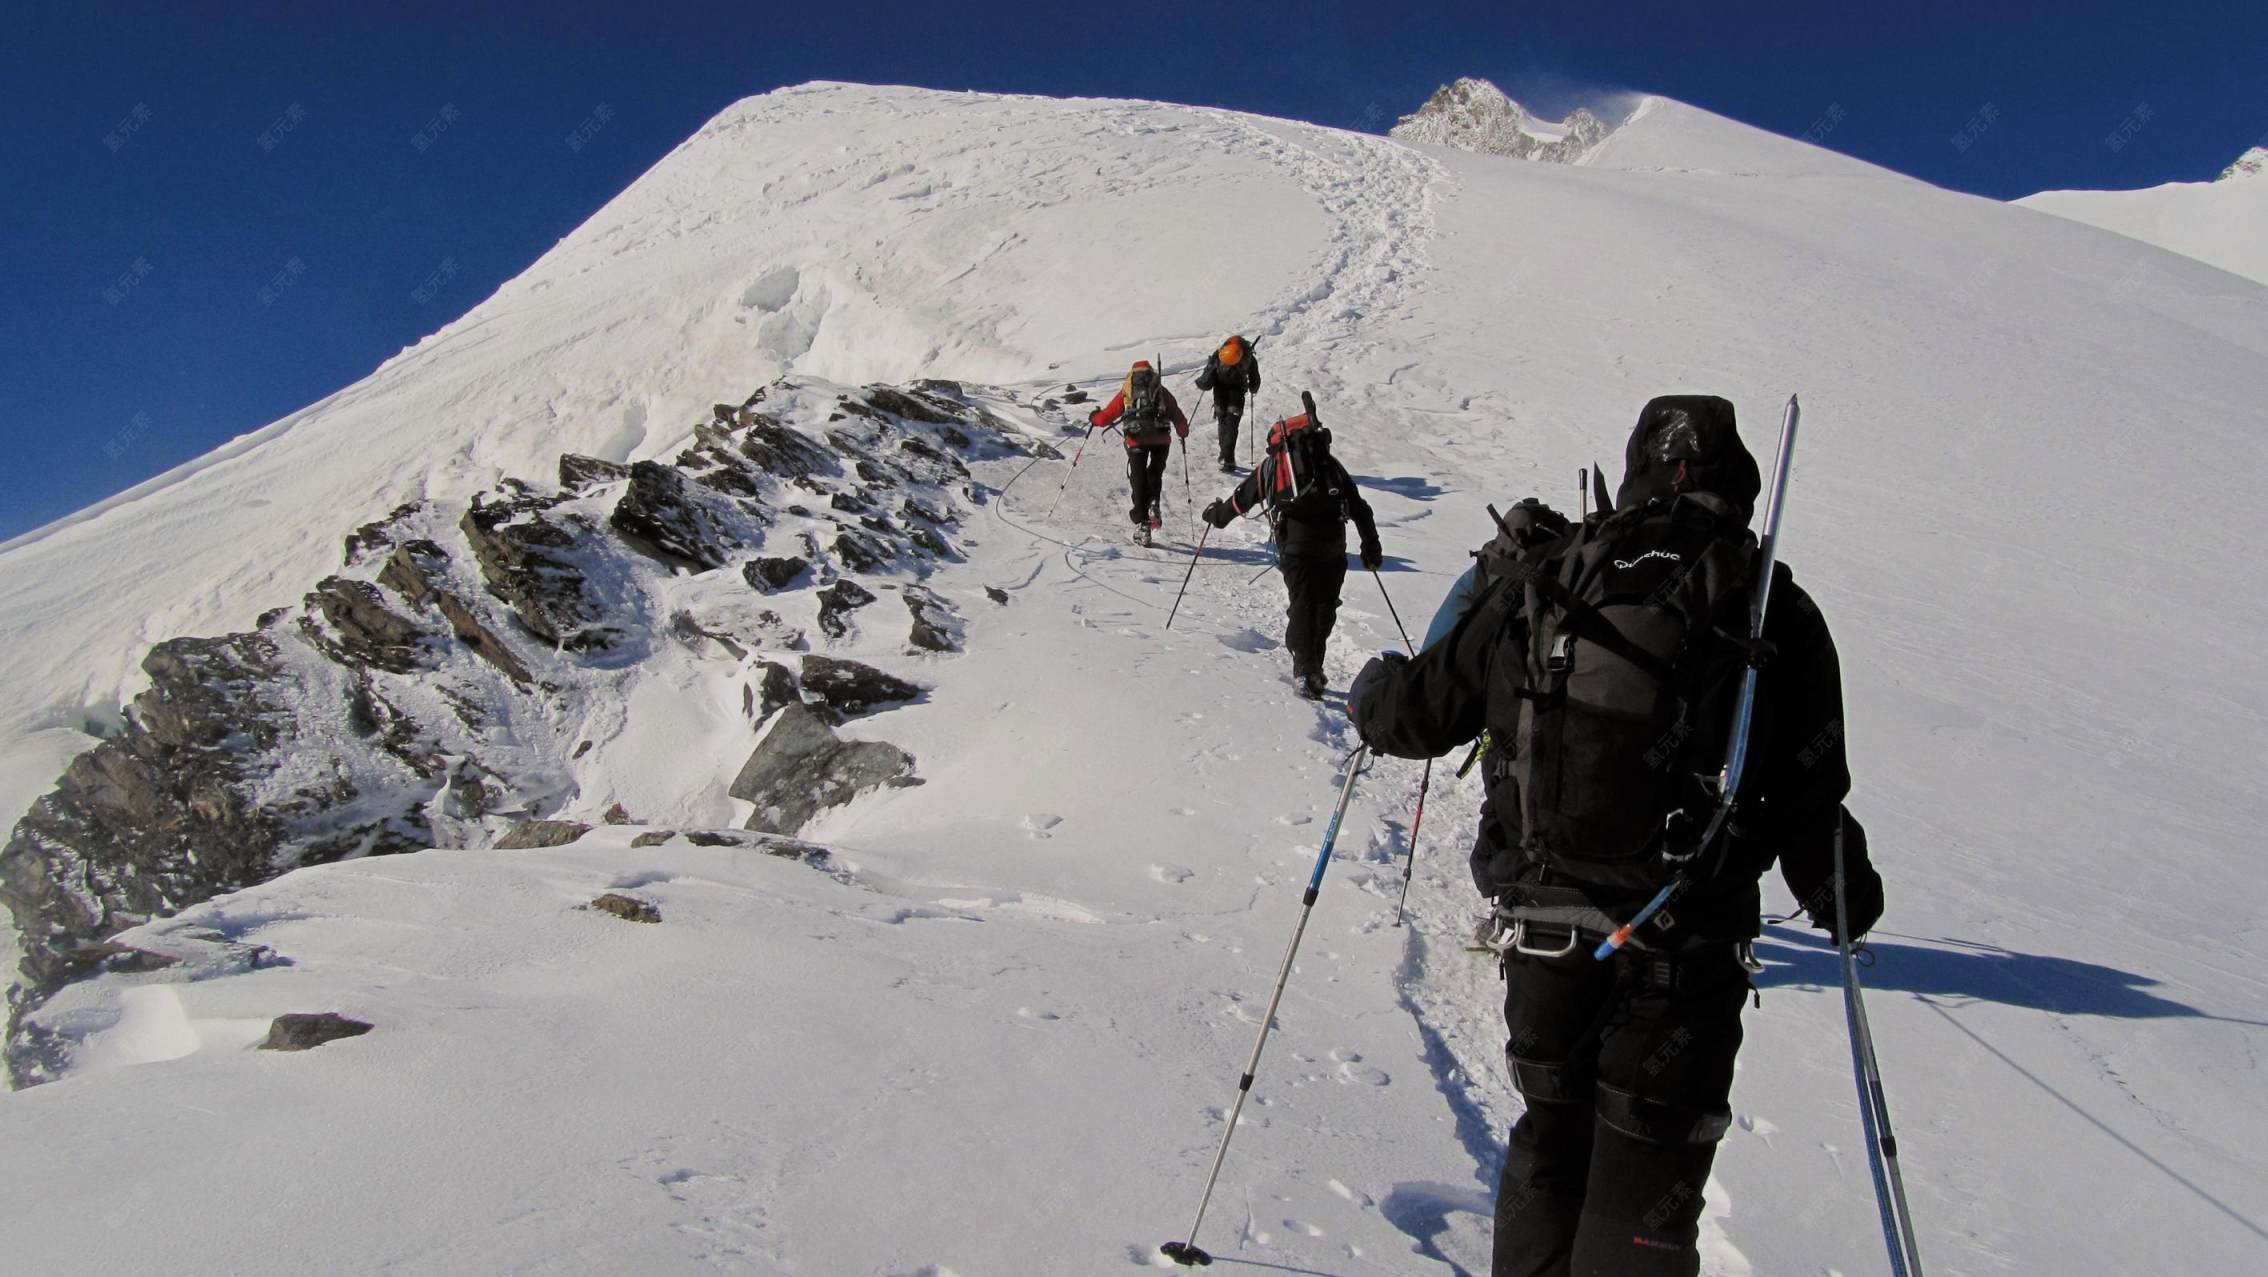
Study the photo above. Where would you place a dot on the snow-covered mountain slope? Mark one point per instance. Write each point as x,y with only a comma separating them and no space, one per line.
1475,115
2223,222
2055,717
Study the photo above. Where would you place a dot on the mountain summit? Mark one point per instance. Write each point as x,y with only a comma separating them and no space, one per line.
1475,115
2252,163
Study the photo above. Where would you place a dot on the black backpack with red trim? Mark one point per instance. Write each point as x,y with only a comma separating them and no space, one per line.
1298,472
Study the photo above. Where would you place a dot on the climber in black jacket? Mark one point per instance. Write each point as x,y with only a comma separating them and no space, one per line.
1626,1065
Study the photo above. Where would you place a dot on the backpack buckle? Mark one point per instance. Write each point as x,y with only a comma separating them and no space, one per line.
1562,653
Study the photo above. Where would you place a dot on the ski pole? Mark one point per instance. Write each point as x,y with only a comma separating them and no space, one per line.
1186,575
1066,484
1391,612
1409,865
1186,1253
1874,1108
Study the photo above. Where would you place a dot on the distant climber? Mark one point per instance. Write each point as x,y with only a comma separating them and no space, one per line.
1309,497
1231,373
1147,417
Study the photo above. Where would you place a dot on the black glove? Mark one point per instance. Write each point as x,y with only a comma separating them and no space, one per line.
1862,888
1220,514
1372,556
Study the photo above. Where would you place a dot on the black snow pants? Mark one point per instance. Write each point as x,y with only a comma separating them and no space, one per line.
1146,466
1626,1067
1229,414
1314,581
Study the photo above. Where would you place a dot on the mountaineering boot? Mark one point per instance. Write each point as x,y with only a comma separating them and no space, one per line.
1311,685
1229,467
1142,534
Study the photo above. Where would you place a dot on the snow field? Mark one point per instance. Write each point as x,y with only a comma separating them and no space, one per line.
2055,719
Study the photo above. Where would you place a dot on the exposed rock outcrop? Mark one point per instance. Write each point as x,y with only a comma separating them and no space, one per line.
302,1032
801,768
414,698
1475,115
850,688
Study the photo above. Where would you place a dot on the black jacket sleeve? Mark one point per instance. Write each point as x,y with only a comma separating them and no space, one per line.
1426,706
1366,526
1209,374
1792,804
1251,370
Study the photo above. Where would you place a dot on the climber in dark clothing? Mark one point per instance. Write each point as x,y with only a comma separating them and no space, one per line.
1231,373
1309,497
1626,1065
1143,410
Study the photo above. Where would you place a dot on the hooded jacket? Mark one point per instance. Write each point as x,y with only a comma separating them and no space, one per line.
1466,681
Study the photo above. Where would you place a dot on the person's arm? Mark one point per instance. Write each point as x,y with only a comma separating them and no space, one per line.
1462,595
1251,369
1244,500
1366,526
1425,706
1801,782
1109,413
1209,374
1173,412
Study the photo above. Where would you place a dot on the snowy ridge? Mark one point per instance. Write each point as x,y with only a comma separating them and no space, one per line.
2218,222
1048,958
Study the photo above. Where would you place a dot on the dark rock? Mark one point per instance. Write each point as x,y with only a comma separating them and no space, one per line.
719,838
936,626
778,689
1072,394
912,407
730,479
530,834
371,537
783,451
916,508
618,815
161,816
932,462
368,633
302,1032
627,908
848,502
801,768
928,542
653,838
836,603
519,552
582,748
851,688
996,594
110,955
660,512
770,574
859,552
580,474
472,632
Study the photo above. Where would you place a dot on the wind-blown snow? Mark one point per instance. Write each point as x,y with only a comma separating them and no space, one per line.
2223,222
2056,720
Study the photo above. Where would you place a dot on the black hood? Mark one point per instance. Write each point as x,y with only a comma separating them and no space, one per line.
1693,435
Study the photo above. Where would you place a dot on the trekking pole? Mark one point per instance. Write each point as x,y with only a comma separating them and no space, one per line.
1583,493
1186,1252
1417,822
1425,780
1066,484
1186,575
1874,1108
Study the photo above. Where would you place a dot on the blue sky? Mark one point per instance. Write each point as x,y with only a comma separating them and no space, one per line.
216,214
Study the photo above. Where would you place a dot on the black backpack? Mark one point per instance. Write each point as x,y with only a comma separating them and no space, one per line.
1636,640
1145,401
